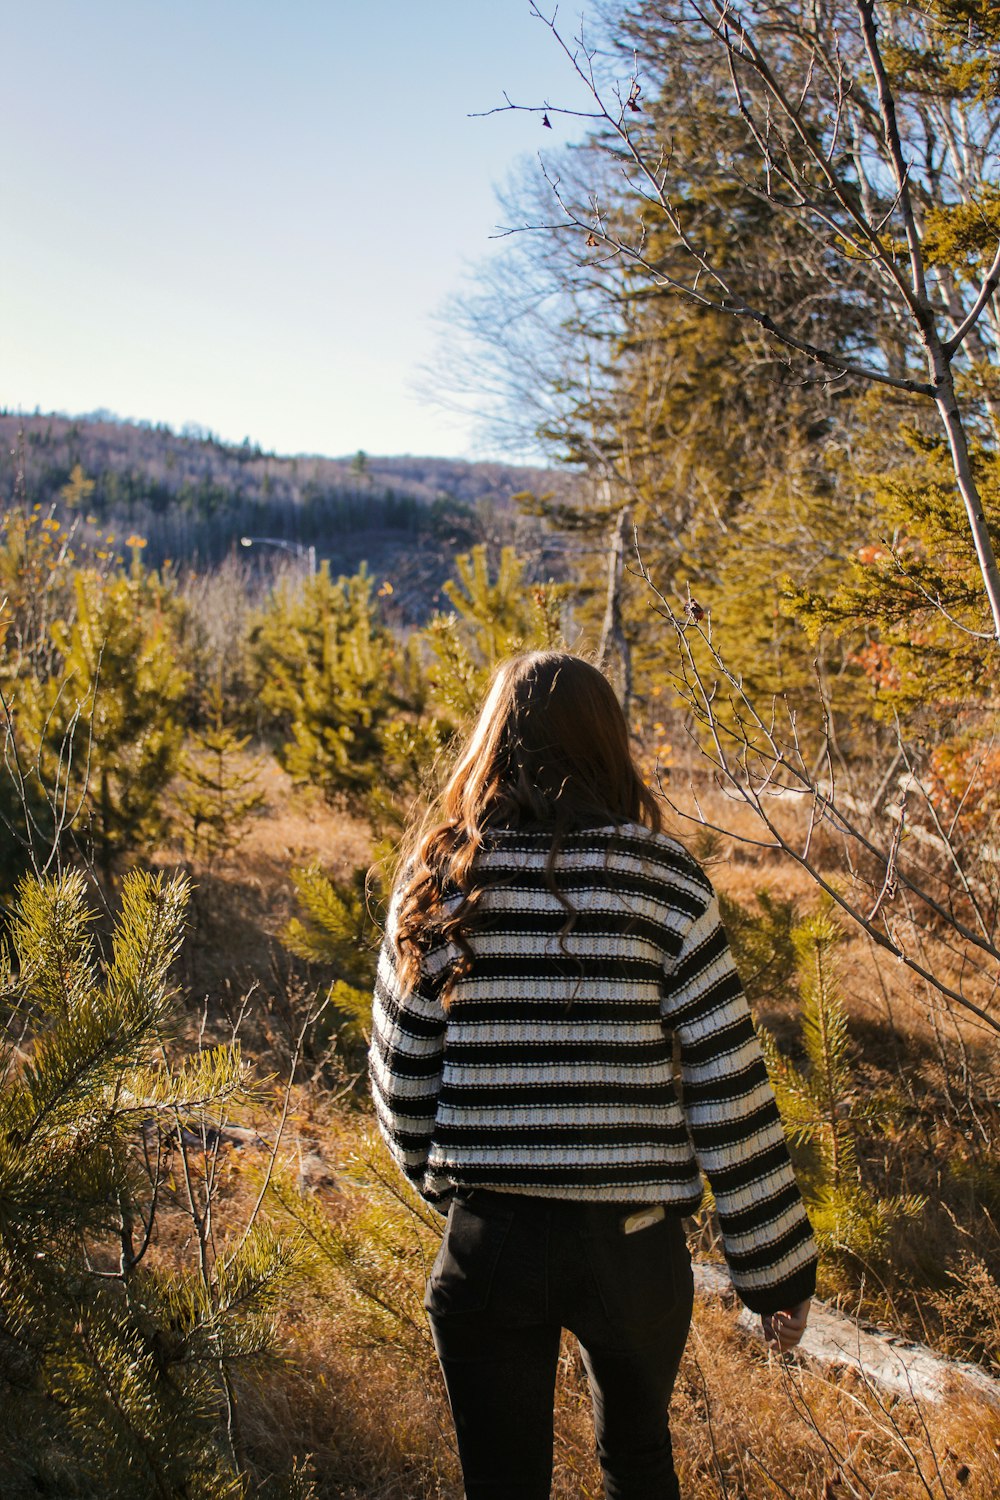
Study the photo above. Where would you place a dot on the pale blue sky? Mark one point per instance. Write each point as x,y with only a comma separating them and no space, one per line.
246,214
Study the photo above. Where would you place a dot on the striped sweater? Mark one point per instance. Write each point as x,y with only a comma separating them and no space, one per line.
553,1072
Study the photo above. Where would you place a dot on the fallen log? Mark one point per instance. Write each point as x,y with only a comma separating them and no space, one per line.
882,1359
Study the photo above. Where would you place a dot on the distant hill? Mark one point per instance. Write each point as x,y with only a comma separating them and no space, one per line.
192,496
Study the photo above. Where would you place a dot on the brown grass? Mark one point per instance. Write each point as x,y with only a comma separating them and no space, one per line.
357,1393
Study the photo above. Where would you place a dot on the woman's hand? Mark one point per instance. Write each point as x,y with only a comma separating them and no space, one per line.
786,1327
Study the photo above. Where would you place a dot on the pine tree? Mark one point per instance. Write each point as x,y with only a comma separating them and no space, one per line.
326,671
761,940
219,790
336,929
492,617
36,588
823,1109
114,1372
908,600
102,729
906,612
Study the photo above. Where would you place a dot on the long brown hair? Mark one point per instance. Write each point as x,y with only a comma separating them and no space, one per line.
549,751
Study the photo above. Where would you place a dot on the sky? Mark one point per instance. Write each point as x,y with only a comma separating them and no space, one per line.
250,215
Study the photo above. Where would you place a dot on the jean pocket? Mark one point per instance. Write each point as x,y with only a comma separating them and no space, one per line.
641,1278
462,1275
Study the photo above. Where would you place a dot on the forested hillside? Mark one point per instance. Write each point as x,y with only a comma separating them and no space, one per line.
757,325
191,497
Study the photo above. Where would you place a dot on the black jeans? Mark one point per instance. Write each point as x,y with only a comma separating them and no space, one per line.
512,1272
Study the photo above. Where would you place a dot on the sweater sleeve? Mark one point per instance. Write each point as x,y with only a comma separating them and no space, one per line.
734,1123
405,1058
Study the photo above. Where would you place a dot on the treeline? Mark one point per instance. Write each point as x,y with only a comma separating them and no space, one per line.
192,497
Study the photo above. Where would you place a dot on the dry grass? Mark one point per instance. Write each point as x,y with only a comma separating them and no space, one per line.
241,904
356,1397
746,1425
297,826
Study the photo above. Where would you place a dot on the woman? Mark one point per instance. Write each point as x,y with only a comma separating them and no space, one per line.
548,950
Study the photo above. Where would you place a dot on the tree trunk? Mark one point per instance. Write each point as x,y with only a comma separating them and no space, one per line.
951,418
614,641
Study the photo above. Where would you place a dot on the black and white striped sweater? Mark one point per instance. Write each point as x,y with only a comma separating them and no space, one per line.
553,1071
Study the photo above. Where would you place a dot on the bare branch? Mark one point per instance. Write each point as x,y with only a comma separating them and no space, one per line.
887,107
752,780
951,346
